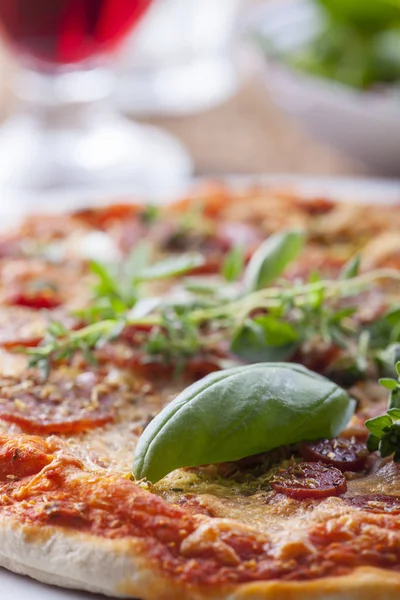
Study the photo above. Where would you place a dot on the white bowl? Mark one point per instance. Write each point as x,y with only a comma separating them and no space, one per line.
365,125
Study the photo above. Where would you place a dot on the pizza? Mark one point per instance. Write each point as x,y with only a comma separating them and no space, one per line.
203,400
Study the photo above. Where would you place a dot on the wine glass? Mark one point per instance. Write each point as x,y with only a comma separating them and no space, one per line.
66,132
195,43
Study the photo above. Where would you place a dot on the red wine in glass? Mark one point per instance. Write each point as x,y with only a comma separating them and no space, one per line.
67,132
62,32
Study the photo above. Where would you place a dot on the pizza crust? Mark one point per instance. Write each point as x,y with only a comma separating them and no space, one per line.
120,568
78,561
364,583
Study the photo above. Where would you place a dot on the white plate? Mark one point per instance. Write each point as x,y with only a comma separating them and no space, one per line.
14,205
350,189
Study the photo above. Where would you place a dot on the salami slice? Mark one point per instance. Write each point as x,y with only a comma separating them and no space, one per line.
310,480
377,503
36,300
67,403
344,454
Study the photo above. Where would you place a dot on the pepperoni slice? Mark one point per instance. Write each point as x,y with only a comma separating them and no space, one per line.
102,217
344,454
377,503
126,357
21,326
309,480
69,402
36,301
28,343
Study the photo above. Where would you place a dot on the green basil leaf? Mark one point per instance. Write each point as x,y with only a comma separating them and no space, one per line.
265,339
386,329
386,445
171,267
233,265
351,268
394,400
387,359
239,412
271,259
394,413
372,443
389,384
377,425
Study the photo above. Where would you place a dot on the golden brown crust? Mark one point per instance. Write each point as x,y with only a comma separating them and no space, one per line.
120,568
362,584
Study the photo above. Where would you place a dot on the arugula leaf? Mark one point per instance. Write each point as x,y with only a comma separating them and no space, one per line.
174,340
386,329
213,314
107,283
233,265
271,259
138,259
171,267
150,214
239,412
265,338
115,290
351,268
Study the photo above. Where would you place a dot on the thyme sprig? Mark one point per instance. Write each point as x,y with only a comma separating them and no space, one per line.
179,330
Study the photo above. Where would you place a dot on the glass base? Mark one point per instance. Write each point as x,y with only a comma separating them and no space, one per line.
181,89
104,152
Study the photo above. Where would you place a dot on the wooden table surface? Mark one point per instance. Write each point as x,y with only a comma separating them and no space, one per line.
249,134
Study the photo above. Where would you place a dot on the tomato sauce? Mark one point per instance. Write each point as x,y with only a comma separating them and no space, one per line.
64,495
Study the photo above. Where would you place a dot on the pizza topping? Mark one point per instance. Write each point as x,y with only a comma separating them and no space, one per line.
190,548
191,320
271,259
67,403
239,412
316,206
25,343
317,317
102,218
19,324
194,505
344,454
378,503
309,480
385,429
208,540
37,300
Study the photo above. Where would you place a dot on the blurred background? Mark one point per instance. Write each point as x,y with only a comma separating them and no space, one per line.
241,86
